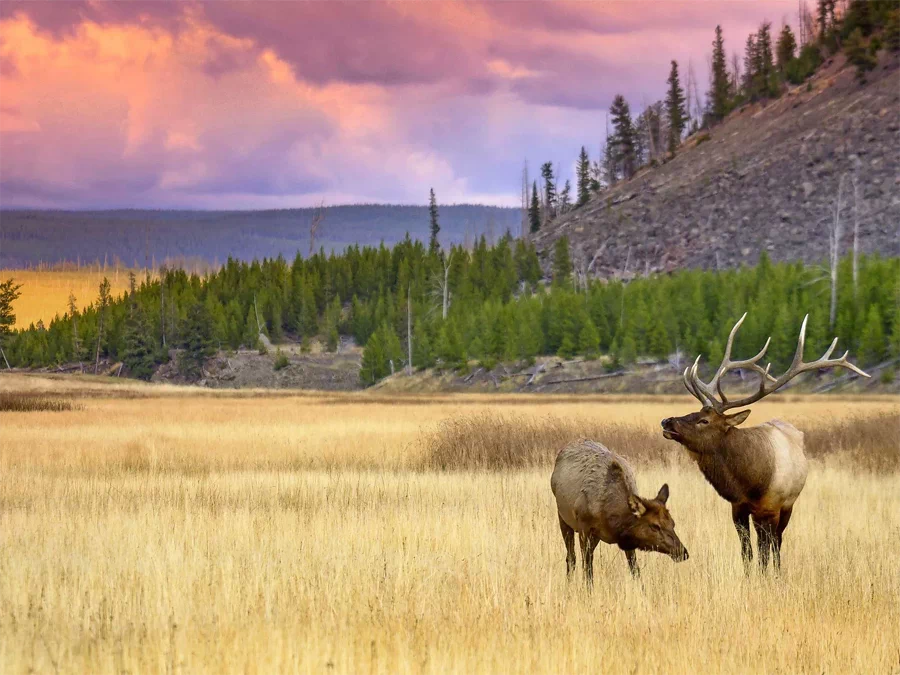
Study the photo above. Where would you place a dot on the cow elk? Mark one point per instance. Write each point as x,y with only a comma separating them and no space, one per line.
596,496
760,470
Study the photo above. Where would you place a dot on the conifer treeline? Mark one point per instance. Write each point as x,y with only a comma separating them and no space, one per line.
499,310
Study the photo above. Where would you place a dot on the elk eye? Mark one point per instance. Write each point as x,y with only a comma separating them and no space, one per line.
703,422
655,527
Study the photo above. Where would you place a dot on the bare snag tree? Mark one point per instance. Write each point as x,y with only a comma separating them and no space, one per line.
314,223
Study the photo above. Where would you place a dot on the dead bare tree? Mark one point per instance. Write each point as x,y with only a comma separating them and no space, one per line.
409,334
445,287
314,223
525,200
834,246
855,231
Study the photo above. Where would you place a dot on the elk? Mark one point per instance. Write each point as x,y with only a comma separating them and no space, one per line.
760,470
596,496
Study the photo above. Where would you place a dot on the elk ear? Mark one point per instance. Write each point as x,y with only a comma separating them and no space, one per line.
737,418
636,505
663,495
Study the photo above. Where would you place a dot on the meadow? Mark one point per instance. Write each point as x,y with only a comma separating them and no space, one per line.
161,529
45,292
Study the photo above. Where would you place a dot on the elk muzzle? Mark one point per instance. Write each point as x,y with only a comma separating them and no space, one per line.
668,427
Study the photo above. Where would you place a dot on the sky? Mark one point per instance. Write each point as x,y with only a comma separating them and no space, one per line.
275,104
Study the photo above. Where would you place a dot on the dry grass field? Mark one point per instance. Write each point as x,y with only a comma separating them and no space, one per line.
157,529
45,293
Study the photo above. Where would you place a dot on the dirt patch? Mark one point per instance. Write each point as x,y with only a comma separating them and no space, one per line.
246,369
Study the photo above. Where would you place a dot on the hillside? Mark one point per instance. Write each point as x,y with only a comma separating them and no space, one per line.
140,237
765,179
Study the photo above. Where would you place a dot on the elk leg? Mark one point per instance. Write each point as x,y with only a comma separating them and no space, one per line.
765,537
631,557
568,535
741,517
783,520
588,544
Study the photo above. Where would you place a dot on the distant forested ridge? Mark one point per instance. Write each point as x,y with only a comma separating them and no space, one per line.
485,305
145,238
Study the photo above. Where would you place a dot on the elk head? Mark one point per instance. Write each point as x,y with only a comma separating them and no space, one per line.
705,431
653,529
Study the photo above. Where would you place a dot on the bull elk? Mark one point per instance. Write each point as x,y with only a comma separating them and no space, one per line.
596,496
760,470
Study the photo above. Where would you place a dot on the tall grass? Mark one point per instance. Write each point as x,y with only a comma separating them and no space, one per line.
490,441
27,402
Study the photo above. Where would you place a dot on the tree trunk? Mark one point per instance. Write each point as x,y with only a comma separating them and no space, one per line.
409,335
99,338
446,303
855,233
835,246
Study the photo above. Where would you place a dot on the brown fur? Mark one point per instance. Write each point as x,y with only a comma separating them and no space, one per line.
596,496
760,470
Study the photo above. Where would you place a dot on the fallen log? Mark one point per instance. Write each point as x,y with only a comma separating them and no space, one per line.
618,373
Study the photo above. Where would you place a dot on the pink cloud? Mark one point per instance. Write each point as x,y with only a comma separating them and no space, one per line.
225,104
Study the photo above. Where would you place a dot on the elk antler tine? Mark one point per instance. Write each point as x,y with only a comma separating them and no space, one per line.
770,378
730,342
801,342
831,349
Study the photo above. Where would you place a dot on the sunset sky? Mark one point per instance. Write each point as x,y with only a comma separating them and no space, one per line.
223,105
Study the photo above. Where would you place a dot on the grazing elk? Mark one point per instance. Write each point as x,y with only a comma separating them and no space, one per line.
761,470
596,496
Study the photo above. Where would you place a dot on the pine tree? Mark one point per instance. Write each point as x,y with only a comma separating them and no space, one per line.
534,211
433,244
450,347
786,49
139,355
894,346
198,344
718,96
562,262
104,299
859,55
583,178
872,345
549,190
9,293
423,356
373,366
564,197
675,109
589,340
750,65
767,84
623,136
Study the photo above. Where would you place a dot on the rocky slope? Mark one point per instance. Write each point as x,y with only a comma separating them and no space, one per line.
766,179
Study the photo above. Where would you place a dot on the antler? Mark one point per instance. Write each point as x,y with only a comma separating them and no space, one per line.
706,392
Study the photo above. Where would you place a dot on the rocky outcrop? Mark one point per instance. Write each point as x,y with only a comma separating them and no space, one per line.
767,179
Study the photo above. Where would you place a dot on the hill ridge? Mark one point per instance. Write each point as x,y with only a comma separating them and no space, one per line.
764,179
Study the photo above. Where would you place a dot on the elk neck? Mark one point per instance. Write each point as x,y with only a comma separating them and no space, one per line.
740,467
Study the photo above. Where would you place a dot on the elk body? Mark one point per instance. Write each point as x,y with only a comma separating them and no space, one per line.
596,497
760,470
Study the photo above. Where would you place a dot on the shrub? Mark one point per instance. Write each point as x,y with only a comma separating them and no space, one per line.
859,54
892,31
281,360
